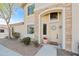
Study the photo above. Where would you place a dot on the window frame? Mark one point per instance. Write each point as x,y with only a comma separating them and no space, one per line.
2,30
31,9
28,29
54,16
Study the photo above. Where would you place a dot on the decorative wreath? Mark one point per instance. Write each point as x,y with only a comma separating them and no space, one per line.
53,27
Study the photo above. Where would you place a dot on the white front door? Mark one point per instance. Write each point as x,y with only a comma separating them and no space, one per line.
55,27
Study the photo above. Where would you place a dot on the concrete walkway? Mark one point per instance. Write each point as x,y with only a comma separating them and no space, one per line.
7,52
47,50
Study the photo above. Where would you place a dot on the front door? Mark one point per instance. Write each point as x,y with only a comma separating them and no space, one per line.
51,27
54,31
55,27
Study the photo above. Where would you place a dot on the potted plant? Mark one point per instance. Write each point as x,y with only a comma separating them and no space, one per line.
45,40
36,44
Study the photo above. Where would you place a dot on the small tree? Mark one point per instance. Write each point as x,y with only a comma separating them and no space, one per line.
6,11
12,30
16,35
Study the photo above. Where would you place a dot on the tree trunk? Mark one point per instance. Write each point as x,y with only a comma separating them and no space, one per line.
9,32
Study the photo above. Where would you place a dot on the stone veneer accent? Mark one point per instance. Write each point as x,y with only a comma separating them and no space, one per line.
68,26
68,19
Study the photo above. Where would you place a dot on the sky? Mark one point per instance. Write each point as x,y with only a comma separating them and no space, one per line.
17,17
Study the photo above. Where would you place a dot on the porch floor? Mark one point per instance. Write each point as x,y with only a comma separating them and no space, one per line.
47,50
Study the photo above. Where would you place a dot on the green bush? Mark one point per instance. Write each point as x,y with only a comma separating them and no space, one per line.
16,35
26,40
36,44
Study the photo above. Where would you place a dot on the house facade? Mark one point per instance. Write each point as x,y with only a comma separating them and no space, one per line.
57,22
18,27
52,21
3,31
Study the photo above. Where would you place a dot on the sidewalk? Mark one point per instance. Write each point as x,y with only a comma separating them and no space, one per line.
47,50
7,52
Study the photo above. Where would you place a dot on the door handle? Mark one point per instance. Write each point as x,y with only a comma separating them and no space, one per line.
57,36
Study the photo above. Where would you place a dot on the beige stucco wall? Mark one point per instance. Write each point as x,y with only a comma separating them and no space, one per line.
3,35
28,20
68,16
75,27
20,28
39,6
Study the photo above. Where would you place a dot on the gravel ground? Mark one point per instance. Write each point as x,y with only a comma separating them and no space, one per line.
18,46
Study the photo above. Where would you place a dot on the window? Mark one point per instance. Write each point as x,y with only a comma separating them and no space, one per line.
53,15
1,30
44,29
30,29
31,9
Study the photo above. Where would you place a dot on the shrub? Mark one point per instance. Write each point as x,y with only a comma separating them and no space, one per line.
26,40
16,35
36,44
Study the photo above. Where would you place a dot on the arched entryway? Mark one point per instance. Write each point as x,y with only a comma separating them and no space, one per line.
52,26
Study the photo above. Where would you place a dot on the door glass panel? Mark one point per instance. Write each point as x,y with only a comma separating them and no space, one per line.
53,16
44,29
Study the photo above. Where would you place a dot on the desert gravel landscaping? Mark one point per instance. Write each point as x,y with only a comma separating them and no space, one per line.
19,47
